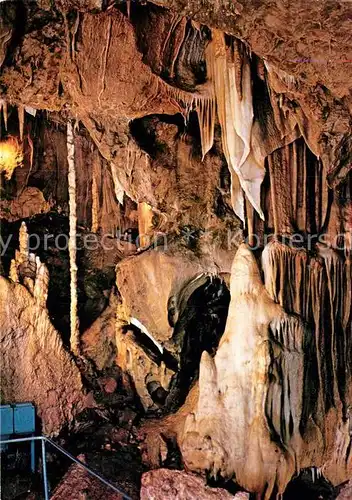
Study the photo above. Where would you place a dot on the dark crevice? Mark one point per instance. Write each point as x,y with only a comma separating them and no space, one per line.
199,327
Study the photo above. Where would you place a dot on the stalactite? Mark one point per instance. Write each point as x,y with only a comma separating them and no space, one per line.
238,65
95,205
288,80
74,337
298,189
318,290
119,191
284,399
280,83
206,111
3,108
281,193
286,276
202,101
145,223
179,22
235,113
21,120
301,213
96,189
31,157
335,284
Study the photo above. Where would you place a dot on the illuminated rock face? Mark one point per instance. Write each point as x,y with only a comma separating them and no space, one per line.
254,390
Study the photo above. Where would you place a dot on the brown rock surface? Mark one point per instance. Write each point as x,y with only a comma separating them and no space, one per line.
309,41
78,484
345,491
35,366
30,202
165,484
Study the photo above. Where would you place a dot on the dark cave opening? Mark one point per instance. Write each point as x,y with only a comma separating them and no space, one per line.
200,325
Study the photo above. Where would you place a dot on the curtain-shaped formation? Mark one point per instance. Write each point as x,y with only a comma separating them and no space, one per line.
298,196
105,206
206,111
233,91
318,290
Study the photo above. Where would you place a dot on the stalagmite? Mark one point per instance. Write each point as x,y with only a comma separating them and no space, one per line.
35,366
234,388
74,336
257,388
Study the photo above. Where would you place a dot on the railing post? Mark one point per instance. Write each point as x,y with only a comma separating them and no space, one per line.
33,456
45,477
43,439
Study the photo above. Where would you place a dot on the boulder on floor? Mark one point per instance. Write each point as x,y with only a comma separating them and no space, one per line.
166,484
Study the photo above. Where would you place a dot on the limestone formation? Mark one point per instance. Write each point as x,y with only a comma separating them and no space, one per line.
35,365
189,164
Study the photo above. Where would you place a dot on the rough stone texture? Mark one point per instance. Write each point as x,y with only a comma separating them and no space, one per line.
30,202
165,484
147,281
345,492
307,41
78,484
98,341
35,365
155,287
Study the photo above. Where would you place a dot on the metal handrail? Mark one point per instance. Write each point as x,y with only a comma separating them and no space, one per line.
44,439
